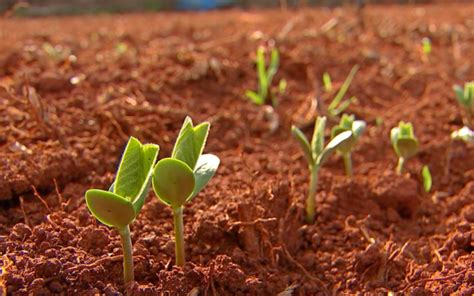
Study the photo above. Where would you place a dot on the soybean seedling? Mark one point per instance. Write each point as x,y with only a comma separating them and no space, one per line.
265,78
316,155
426,46
337,105
465,97
179,178
120,205
404,143
427,181
357,127
463,134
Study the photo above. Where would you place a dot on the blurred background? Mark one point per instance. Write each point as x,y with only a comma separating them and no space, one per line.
66,7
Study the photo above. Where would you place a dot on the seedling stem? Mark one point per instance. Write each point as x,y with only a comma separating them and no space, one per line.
128,274
310,202
347,163
401,162
179,236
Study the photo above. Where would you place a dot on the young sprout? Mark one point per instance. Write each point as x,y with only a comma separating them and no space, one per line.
179,178
120,205
465,97
404,143
265,78
337,106
316,155
357,127
427,182
426,46
327,83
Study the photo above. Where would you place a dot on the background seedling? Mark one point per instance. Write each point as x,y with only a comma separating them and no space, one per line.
465,97
327,83
265,78
464,134
427,182
426,46
357,127
316,155
404,143
119,206
178,179
337,105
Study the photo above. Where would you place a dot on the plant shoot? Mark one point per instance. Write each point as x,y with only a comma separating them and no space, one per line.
357,127
179,178
404,143
465,98
120,205
316,155
337,105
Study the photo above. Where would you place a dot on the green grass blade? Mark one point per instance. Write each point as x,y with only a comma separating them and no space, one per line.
345,86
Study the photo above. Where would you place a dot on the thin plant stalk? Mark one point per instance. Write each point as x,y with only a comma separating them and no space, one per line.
401,162
128,273
179,236
347,163
310,202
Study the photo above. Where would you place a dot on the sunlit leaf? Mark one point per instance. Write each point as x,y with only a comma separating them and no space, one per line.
173,181
110,208
190,142
205,169
130,175
340,139
304,144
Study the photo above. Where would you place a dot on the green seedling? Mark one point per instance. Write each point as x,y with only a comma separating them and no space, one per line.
179,178
404,143
337,105
427,181
464,134
327,83
465,97
265,78
426,46
357,127
316,155
120,205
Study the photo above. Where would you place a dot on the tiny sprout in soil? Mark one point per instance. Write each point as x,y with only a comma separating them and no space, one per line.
265,78
179,178
465,97
427,181
316,155
357,127
426,45
404,143
337,106
120,205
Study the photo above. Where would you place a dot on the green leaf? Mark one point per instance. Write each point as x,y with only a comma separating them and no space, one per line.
254,97
262,73
205,169
403,140
334,144
173,181
317,141
274,64
282,85
459,91
358,127
110,208
150,152
304,144
190,142
130,174
342,91
327,82
427,182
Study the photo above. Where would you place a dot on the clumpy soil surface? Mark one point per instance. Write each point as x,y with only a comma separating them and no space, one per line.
73,89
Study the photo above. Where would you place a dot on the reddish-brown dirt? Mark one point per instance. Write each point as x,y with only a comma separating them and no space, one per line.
65,118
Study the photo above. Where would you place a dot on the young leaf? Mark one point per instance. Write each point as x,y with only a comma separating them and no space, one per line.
190,142
459,91
150,152
173,181
274,64
427,182
262,73
336,142
327,82
303,141
254,97
205,169
110,208
317,141
130,174
358,128
342,91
